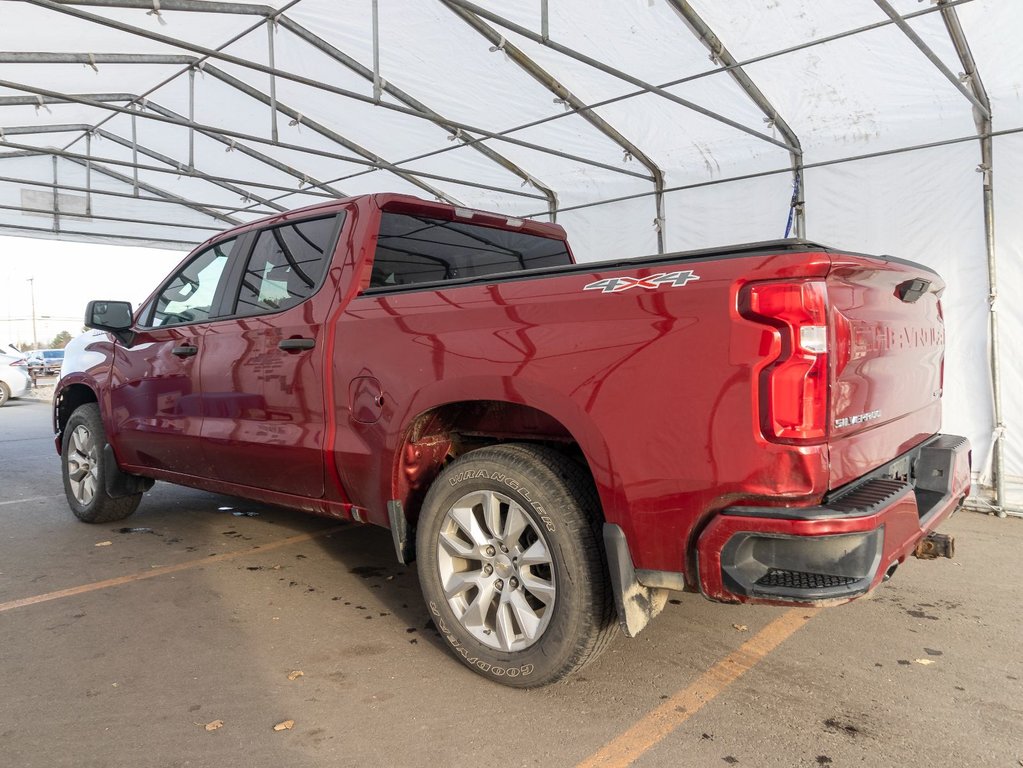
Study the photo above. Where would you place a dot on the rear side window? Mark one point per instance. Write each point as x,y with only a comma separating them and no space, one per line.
287,265
416,249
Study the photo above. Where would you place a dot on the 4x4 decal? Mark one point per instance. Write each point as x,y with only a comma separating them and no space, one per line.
619,284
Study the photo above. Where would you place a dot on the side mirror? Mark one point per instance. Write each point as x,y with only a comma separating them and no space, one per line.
114,316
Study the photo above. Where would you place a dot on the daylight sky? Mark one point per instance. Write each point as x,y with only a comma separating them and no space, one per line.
67,276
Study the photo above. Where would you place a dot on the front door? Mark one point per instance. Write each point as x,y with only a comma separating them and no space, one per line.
155,393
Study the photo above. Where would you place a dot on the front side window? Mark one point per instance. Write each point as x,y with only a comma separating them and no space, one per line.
188,297
417,249
286,266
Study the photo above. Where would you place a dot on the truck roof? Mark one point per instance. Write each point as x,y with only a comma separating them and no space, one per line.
405,204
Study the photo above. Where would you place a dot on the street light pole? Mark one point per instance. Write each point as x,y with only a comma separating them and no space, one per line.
35,336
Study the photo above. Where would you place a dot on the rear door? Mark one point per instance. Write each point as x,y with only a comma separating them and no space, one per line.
888,359
262,375
154,389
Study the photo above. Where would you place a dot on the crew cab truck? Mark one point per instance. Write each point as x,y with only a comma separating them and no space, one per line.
557,445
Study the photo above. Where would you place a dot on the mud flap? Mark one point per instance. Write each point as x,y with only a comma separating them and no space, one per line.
118,483
636,604
401,533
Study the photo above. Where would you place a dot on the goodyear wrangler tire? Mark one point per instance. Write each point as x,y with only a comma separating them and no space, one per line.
82,463
512,565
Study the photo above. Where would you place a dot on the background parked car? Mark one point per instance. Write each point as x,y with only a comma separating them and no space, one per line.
14,378
45,361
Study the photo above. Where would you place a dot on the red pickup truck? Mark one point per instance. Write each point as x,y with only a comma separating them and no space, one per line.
554,443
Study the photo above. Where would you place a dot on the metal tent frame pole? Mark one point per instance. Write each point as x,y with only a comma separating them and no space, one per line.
130,98
174,167
721,55
67,7
779,171
380,85
982,117
600,66
210,6
563,94
330,134
162,196
53,97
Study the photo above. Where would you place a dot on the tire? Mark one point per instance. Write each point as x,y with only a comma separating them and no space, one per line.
83,467
5,394
513,533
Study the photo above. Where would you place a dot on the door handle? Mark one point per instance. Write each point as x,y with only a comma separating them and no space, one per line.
294,345
185,351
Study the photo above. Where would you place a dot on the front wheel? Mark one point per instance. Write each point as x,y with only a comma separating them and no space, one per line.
511,563
84,470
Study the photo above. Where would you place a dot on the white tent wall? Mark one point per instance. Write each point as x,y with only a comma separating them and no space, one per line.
1008,152
653,106
925,206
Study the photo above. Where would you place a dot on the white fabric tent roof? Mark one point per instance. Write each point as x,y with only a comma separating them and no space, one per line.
641,125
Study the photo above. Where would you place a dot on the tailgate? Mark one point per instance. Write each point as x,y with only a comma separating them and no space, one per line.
887,363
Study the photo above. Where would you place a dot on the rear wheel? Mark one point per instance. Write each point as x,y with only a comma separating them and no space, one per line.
5,394
511,564
84,470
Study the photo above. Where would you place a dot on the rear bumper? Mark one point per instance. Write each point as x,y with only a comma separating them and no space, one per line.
844,547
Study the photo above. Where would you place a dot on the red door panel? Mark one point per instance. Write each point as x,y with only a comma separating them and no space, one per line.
155,400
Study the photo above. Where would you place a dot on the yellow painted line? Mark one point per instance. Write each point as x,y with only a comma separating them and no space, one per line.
660,722
31,498
164,570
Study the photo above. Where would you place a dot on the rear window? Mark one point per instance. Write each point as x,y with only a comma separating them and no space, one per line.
417,249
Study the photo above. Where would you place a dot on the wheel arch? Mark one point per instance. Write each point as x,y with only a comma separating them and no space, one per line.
444,431
70,397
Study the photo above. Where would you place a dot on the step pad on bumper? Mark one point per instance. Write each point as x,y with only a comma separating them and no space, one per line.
777,577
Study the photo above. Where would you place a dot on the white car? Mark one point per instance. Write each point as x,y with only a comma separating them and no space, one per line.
14,380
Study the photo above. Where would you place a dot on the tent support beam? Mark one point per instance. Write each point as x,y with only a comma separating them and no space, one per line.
908,31
780,171
174,165
155,113
214,7
41,232
563,94
473,9
131,98
329,134
191,117
154,190
88,172
381,85
271,59
56,200
723,56
162,197
377,88
67,7
174,168
119,219
690,78
982,117
197,6
135,152
249,151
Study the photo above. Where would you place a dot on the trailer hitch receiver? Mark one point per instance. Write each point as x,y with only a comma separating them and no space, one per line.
935,545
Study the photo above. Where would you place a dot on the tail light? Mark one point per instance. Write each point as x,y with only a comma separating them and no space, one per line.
792,382
20,362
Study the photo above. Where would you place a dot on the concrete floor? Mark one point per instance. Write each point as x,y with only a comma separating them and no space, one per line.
128,674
